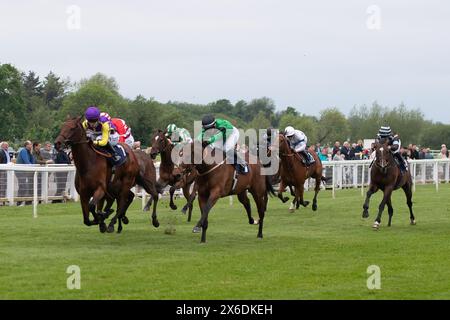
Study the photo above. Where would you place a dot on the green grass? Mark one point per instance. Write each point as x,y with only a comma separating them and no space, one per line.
304,255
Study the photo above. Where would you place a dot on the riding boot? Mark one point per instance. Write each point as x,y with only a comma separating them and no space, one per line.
402,162
240,164
115,155
305,157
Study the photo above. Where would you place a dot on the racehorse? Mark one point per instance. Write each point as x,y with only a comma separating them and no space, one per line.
93,176
385,175
170,174
216,180
294,173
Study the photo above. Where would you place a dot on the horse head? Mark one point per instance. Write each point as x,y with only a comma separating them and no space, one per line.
283,145
160,143
72,132
383,157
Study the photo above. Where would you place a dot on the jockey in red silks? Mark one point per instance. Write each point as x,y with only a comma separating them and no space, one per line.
122,129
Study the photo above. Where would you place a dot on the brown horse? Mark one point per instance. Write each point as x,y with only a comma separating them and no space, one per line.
385,175
93,176
216,180
294,173
169,173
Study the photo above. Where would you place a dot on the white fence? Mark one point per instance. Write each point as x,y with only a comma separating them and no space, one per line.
44,184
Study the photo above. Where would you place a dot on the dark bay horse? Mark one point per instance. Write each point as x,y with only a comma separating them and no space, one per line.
93,176
386,176
216,180
169,173
294,173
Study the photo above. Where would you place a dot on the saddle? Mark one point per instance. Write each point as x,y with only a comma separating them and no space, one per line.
310,158
111,156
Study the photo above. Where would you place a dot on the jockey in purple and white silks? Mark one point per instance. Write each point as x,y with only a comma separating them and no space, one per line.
100,130
298,142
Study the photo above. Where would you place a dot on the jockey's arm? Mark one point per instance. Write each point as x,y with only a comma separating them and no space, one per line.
105,136
85,124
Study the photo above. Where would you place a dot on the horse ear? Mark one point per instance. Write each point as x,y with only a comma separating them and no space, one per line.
68,117
79,119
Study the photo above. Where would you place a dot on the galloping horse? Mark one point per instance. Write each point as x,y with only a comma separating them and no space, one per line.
294,173
216,180
93,176
385,175
169,174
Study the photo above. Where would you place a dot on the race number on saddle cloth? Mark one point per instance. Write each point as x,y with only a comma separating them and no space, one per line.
103,135
298,142
221,134
385,134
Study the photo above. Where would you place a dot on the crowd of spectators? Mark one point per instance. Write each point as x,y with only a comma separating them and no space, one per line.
356,151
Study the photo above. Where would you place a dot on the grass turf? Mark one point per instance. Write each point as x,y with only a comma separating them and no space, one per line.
304,255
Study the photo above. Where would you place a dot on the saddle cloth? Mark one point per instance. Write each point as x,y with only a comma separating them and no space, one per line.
310,157
120,151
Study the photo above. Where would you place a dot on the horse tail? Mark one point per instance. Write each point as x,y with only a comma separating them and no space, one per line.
269,188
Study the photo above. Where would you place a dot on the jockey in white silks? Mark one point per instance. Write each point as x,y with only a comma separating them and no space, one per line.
298,142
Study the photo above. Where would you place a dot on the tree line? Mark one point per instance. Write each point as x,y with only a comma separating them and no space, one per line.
32,108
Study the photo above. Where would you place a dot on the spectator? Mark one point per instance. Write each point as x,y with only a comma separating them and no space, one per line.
318,148
25,179
48,153
428,155
37,154
323,155
61,177
137,145
447,152
414,152
359,150
337,146
353,152
338,156
345,151
4,153
444,152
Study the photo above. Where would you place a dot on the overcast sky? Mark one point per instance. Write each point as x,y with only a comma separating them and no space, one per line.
307,54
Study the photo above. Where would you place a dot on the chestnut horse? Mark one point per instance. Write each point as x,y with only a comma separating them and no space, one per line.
216,180
385,175
93,176
169,173
294,173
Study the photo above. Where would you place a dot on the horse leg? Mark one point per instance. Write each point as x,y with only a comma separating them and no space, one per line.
122,217
408,192
386,198
261,204
149,203
243,198
84,199
172,204
316,190
390,211
281,189
372,190
191,202
299,193
206,204
96,199
187,195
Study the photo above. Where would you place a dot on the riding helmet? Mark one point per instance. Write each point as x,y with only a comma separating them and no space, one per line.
208,121
171,128
385,132
92,113
289,131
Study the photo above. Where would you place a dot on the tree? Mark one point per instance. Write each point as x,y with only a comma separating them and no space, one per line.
53,91
259,122
333,126
12,103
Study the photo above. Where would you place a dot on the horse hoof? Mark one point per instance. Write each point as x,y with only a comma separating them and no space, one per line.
110,229
155,223
102,227
119,230
314,207
413,222
306,203
125,220
365,215
256,222
285,199
146,209
251,221
196,230
173,207
376,225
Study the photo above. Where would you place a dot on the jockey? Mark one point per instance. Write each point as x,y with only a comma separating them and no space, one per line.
100,130
178,135
226,139
385,134
298,142
123,131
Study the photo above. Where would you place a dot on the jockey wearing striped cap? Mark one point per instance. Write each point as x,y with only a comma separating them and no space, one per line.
385,134
178,135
